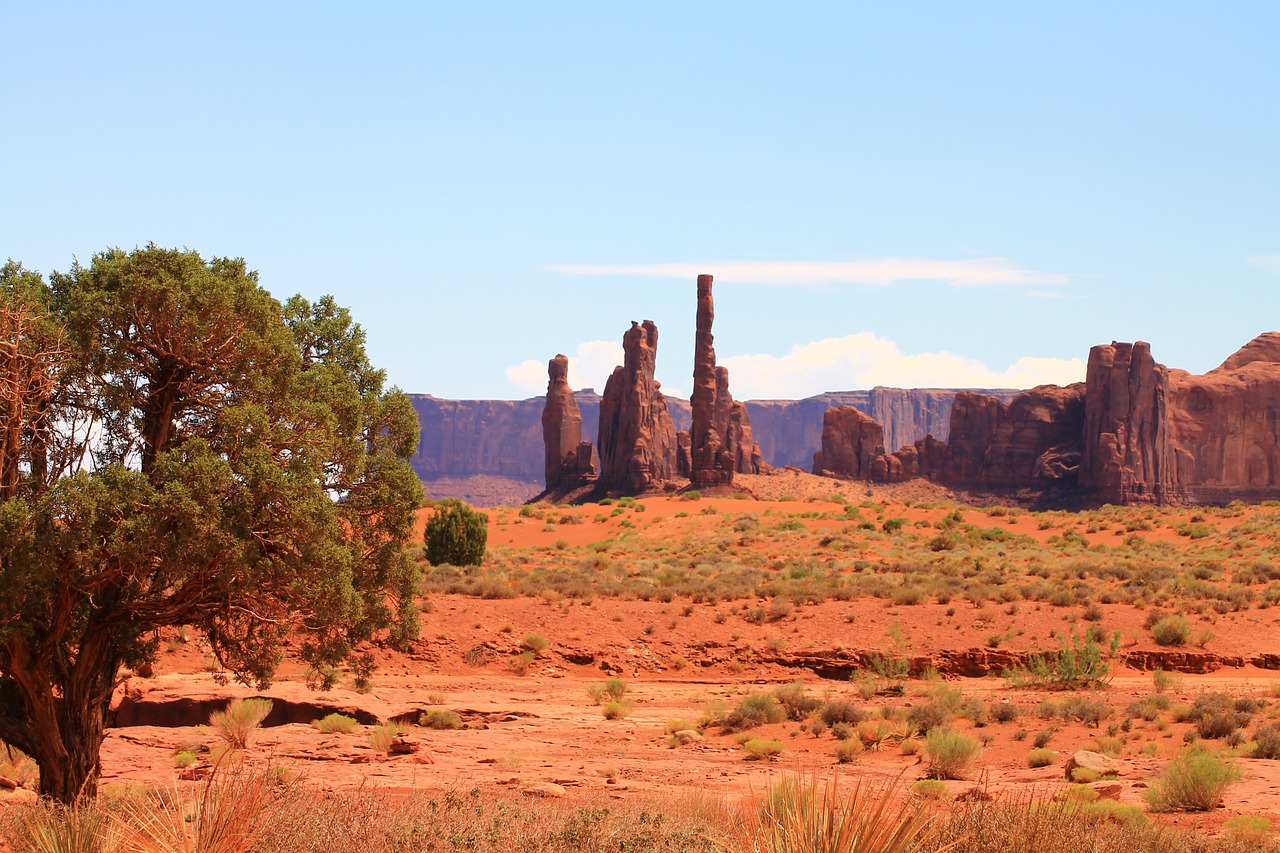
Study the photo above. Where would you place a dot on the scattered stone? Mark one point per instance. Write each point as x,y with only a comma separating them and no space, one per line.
1095,761
687,736
549,790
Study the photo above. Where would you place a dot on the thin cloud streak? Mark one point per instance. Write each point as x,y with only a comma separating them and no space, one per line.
870,272
1266,263
849,363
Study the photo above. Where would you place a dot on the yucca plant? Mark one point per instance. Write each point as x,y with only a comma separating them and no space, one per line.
227,814
48,827
813,816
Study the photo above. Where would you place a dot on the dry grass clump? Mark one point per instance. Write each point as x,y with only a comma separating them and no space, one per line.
809,816
335,724
241,718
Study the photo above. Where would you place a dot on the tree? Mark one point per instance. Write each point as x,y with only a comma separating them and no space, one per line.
456,534
178,448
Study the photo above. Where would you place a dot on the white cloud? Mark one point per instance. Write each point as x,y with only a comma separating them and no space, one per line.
864,361
589,367
1266,263
834,364
875,272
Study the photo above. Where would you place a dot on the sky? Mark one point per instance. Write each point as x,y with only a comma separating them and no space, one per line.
919,194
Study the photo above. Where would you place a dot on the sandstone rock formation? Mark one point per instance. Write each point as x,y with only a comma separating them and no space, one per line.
1133,432
1032,442
637,437
569,463
720,435
1126,450
850,441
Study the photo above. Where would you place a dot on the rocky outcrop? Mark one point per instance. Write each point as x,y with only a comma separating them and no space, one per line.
569,459
851,440
720,436
637,437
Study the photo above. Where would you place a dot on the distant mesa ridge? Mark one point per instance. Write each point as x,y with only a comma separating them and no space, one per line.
492,451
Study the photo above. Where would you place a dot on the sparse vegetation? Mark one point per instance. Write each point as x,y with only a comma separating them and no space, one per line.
335,724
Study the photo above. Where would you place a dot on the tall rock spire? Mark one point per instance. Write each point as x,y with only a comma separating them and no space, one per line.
568,458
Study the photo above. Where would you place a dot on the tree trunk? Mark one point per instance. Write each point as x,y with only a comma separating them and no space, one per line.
67,726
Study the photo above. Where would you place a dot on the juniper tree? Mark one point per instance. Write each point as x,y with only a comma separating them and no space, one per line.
177,448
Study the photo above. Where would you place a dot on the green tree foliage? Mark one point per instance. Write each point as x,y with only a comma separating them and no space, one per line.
456,534
179,448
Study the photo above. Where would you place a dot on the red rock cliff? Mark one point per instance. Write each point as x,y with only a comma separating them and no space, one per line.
850,442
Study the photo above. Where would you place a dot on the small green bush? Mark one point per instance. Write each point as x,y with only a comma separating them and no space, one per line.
1194,781
1041,758
758,749
611,689
950,753
535,643
617,710
847,751
930,789
456,534
335,724
438,718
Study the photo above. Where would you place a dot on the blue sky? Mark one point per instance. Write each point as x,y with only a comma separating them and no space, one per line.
913,194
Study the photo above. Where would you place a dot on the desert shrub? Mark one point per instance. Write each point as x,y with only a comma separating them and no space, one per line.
456,534
843,731
381,736
929,789
950,753
184,758
611,689
1171,631
1041,757
798,704
335,724
758,749
535,643
839,711
929,716
1005,712
1267,741
1215,715
847,751
756,709
519,664
236,724
1193,781
1043,737
679,725
1078,663
438,718
617,710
